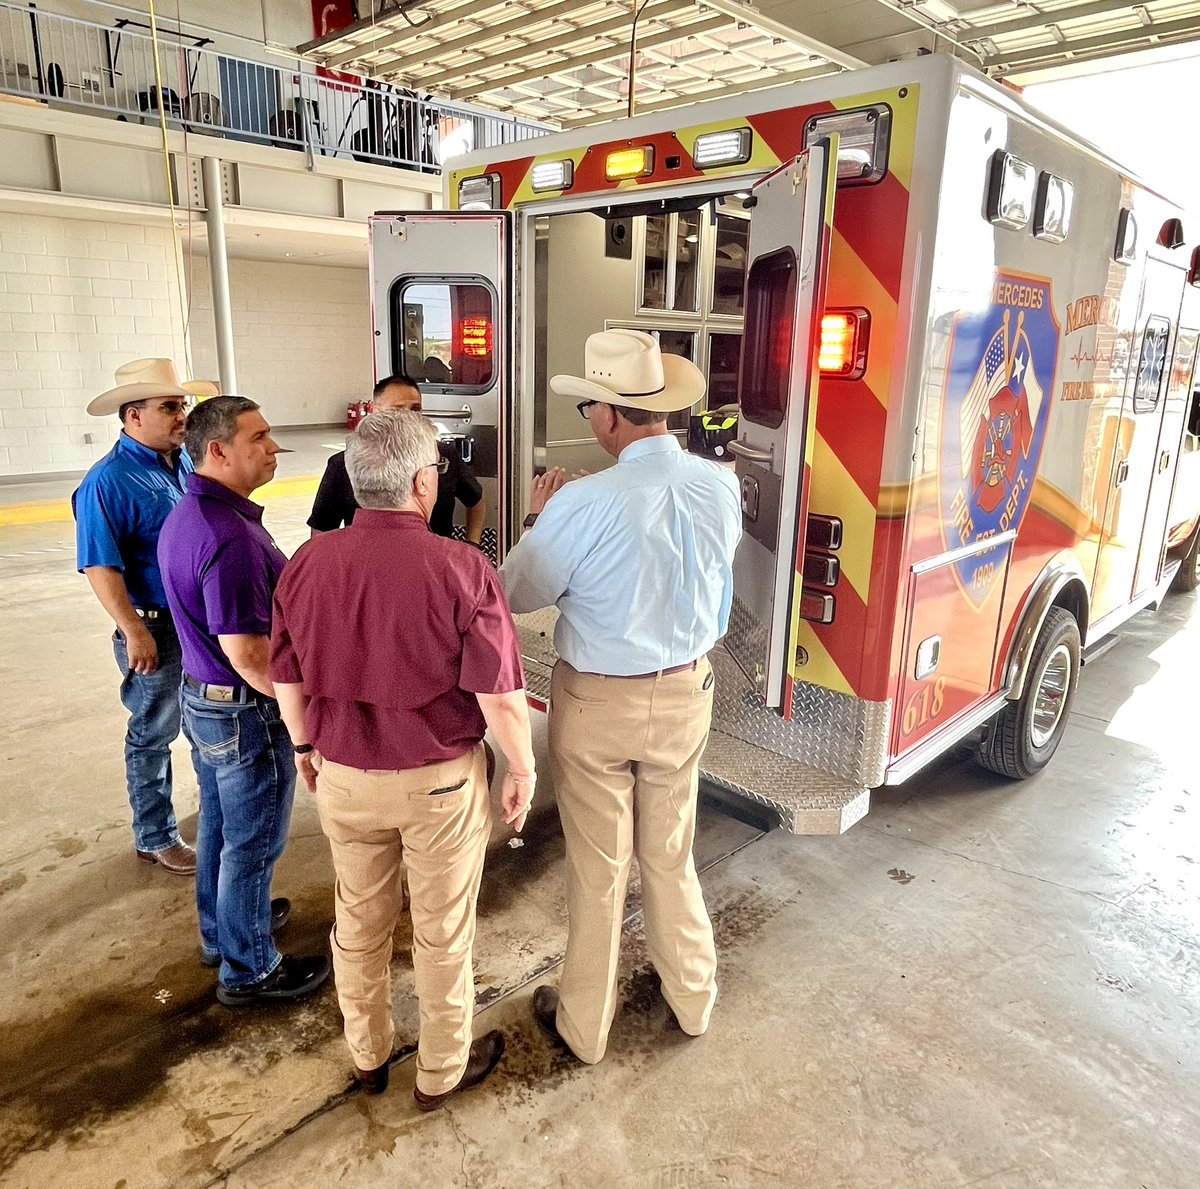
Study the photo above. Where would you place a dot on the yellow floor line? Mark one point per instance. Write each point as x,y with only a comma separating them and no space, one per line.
51,511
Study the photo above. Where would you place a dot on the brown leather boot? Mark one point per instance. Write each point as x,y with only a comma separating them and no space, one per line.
485,1056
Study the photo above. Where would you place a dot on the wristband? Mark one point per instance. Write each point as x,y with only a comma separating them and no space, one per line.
530,520
522,779
302,749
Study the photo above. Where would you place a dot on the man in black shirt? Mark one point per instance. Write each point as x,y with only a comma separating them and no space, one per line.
335,504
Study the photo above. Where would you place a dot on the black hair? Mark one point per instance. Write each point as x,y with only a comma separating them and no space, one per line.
388,381
214,420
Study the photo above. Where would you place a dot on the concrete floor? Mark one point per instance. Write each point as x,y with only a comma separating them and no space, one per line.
983,982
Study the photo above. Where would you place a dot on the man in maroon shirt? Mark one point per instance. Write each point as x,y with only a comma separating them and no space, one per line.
392,651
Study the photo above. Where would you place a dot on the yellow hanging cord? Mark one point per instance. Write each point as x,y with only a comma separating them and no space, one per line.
166,155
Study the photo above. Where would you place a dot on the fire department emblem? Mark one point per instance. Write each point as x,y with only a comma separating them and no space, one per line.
997,402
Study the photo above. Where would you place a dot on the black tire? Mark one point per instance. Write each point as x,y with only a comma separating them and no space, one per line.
1020,740
1188,576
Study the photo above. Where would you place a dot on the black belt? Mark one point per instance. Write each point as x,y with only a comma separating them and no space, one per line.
222,693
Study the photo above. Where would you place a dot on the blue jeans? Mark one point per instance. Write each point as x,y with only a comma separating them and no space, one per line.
152,700
247,776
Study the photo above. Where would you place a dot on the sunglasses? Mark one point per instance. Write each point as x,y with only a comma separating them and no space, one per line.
172,408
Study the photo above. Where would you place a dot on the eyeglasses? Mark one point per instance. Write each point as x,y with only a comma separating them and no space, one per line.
585,407
442,464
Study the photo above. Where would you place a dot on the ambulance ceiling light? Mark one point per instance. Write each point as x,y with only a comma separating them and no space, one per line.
1125,249
480,193
1010,191
1052,211
863,138
629,163
730,147
552,175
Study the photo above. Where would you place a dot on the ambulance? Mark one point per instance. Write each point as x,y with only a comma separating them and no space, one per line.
959,345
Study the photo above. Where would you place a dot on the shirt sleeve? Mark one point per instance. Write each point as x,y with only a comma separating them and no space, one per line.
97,533
334,504
237,592
283,664
538,569
491,655
467,489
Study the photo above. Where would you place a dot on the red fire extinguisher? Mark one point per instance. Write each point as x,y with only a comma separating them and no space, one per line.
355,413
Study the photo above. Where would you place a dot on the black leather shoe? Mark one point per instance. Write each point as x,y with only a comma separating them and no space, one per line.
373,1081
292,979
485,1056
545,1011
281,913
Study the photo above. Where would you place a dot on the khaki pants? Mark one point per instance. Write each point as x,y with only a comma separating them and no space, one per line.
435,821
625,755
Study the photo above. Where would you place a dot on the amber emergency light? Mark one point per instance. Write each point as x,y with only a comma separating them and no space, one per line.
629,163
843,350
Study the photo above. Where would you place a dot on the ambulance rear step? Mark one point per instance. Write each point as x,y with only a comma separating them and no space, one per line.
804,800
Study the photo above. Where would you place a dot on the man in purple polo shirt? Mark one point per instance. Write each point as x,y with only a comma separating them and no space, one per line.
392,649
219,567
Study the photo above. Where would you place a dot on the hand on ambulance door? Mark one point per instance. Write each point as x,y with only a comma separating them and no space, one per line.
543,487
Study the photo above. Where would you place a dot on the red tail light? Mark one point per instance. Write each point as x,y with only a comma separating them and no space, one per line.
843,351
475,337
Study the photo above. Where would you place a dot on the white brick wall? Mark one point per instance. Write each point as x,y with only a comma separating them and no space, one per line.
302,337
77,299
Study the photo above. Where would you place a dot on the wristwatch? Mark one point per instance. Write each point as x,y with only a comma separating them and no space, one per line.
529,520
302,749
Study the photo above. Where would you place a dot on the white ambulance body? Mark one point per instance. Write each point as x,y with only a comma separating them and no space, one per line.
962,343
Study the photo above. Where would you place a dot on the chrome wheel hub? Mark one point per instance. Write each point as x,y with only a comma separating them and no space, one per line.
1050,699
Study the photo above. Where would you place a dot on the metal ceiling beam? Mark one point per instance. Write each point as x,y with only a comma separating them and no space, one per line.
1135,36
388,29
615,25
404,32
1077,12
589,59
545,13
756,20
779,80
937,28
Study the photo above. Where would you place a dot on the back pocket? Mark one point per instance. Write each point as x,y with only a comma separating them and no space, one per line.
215,736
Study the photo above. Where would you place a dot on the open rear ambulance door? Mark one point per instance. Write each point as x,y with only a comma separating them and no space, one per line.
777,390
441,292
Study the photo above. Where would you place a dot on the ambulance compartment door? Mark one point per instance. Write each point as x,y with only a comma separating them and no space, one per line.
441,292
777,385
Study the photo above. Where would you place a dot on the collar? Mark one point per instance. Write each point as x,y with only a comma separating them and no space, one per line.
647,447
206,488
388,519
144,453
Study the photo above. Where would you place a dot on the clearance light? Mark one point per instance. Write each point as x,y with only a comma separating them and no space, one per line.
843,351
475,337
1010,191
552,175
1052,211
863,137
479,193
629,163
731,147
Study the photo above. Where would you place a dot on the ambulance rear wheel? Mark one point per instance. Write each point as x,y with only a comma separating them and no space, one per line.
1021,739
1188,575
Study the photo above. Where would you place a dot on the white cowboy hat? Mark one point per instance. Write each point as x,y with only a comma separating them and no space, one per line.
145,379
626,367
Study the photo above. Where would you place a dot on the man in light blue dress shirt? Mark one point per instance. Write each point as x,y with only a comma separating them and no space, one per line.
638,559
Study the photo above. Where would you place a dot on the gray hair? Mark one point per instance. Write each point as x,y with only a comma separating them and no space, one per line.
384,454
214,420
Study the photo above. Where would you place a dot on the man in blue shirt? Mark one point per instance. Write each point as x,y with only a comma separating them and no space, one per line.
119,509
638,560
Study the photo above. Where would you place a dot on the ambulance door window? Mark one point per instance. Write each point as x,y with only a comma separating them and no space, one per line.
767,357
442,333
654,265
729,269
1151,365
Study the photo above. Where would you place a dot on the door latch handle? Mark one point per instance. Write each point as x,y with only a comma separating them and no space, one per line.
1122,473
1164,461
752,453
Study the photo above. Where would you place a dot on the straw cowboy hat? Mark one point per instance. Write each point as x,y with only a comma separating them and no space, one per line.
144,379
626,367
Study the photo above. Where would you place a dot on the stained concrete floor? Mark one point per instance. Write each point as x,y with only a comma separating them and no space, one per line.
983,982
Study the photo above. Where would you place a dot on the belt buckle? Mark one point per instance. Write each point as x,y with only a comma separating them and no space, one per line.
219,693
